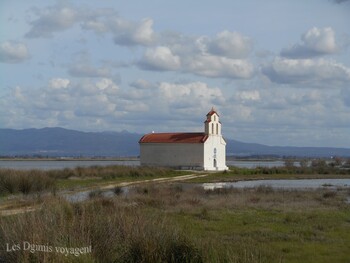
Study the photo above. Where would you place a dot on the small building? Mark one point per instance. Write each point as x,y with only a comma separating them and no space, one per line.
194,150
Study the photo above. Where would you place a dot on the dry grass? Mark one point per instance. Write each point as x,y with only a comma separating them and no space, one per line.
25,182
174,223
36,181
116,232
176,198
171,223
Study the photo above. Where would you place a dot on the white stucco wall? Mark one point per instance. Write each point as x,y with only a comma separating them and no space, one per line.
179,155
218,142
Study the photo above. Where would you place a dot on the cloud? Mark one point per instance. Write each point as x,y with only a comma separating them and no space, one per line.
66,103
169,101
160,58
13,52
63,102
345,94
141,84
315,42
318,72
62,17
218,57
59,83
81,67
339,1
216,67
249,95
230,44
222,56
52,19
84,70
128,33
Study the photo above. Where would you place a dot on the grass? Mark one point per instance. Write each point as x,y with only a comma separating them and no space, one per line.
260,173
116,233
262,225
173,223
25,182
37,181
167,223
170,223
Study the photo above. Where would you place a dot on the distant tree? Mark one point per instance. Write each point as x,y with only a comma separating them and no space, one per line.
289,163
318,163
304,163
347,163
336,162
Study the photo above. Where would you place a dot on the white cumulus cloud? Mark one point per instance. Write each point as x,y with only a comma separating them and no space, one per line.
52,19
13,52
129,33
230,44
315,42
312,71
59,83
215,66
160,58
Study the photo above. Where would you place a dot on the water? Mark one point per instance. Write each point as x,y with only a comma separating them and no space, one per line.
85,195
61,164
282,184
292,184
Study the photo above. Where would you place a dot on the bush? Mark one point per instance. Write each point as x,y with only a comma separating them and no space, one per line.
26,182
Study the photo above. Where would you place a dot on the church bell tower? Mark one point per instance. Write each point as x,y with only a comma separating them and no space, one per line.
212,125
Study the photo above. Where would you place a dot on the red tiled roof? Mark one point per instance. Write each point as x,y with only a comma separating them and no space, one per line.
212,112
191,137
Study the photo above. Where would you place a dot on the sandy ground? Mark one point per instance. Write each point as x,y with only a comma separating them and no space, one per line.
6,211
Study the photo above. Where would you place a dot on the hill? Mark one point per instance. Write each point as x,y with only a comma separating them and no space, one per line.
58,142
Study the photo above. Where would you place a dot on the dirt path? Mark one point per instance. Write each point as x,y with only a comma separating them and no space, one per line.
157,180
5,211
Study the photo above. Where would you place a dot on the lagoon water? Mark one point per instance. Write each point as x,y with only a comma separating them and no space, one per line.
292,184
62,164
283,184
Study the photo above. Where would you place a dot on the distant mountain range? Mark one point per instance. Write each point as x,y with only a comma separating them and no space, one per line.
59,142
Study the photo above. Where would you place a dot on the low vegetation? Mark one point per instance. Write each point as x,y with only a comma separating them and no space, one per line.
174,222
37,181
171,223
25,182
316,169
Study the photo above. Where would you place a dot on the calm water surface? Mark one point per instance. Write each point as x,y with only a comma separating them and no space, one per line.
293,184
283,184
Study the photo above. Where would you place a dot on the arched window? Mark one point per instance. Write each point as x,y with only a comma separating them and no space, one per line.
217,128
212,128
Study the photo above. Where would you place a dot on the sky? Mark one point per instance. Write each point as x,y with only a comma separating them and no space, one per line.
277,71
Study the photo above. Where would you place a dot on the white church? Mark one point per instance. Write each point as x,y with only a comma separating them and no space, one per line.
195,150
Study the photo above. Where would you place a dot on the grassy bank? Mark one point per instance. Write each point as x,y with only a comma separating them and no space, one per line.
167,223
260,173
36,181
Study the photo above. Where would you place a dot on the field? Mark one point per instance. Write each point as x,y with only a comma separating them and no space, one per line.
172,223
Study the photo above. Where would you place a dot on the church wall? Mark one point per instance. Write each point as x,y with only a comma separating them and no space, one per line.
178,155
215,141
